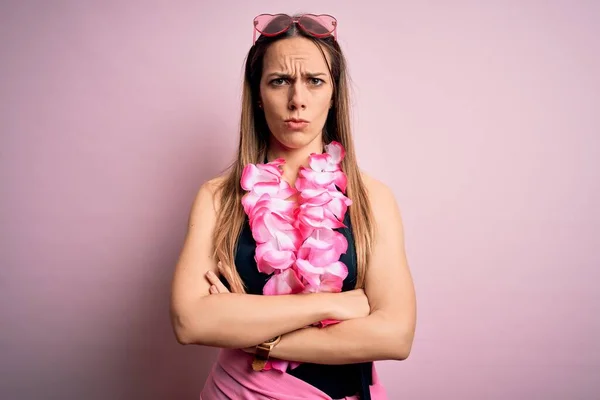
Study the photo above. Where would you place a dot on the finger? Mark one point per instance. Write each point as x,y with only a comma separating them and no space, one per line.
212,277
214,280
213,289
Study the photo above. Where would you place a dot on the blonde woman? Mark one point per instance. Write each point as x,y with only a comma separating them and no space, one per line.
294,262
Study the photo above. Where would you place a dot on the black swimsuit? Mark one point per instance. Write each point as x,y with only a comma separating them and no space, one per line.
337,381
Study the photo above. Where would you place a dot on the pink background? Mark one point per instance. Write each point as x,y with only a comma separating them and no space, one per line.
482,117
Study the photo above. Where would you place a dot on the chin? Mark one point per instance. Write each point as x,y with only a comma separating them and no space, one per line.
295,139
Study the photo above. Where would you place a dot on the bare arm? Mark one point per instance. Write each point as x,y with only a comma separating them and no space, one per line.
387,332
231,319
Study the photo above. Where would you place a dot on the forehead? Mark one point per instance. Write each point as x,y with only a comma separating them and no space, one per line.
287,53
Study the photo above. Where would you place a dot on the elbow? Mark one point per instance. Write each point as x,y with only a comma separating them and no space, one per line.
191,323
396,336
397,339
181,330
401,351
402,344
186,329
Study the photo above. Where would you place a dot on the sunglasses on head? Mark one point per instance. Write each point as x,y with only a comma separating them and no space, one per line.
320,26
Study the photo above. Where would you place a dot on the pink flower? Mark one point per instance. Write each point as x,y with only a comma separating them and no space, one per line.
269,258
266,224
333,201
265,174
322,279
278,253
264,193
310,218
313,179
284,282
297,244
323,247
324,170
336,150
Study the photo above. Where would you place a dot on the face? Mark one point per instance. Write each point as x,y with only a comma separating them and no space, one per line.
296,91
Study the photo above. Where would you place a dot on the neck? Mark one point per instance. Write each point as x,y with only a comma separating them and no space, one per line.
294,158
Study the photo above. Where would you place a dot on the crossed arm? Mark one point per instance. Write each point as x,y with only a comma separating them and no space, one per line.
218,318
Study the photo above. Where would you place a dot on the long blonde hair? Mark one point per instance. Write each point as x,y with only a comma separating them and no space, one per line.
253,145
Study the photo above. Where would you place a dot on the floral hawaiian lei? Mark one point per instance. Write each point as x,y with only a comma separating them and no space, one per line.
296,240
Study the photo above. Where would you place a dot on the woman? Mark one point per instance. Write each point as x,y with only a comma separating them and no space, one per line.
294,261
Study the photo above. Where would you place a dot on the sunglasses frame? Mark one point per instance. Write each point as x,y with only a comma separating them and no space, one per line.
295,20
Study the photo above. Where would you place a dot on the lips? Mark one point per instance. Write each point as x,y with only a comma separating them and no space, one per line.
296,124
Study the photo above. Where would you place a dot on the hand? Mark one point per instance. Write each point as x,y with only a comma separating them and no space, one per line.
216,286
352,304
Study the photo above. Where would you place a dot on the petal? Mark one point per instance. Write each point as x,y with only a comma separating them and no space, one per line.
305,230
285,190
338,208
269,258
319,162
317,217
281,207
272,169
330,286
339,205
294,364
284,282
316,198
335,271
340,180
325,250
278,162
252,175
310,273
260,232
249,176
249,201
317,244
275,223
319,179
279,365
336,150
276,259
266,187
327,322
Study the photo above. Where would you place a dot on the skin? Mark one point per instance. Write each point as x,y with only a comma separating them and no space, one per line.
295,83
377,323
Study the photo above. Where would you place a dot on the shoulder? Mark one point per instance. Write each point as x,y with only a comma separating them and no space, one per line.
383,202
379,193
212,186
206,201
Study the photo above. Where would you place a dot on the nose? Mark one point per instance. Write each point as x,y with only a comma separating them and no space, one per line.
297,97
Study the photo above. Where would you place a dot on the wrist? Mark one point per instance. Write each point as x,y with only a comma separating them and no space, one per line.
330,305
262,353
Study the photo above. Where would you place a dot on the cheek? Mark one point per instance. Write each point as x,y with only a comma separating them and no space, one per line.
323,101
273,99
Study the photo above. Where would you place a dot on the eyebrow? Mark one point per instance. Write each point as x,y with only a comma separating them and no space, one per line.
288,76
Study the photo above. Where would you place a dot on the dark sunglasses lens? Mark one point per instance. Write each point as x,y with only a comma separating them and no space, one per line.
275,24
318,24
